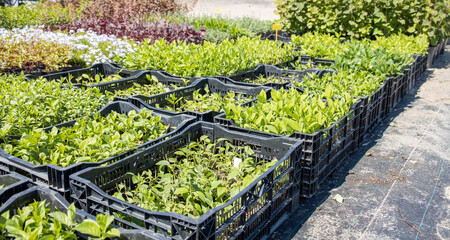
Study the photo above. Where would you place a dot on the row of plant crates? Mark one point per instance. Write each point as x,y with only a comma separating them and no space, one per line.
253,213
305,160
57,178
370,110
435,51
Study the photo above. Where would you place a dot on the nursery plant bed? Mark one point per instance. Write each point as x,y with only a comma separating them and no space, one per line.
322,150
145,78
57,177
215,86
253,213
281,77
103,69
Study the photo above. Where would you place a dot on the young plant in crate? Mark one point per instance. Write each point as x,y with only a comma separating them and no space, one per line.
290,111
26,105
90,139
200,176
203,100
207,182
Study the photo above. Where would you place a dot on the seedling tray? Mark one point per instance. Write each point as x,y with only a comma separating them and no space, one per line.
252,214
215,86
57,178
322,151
266,71
23,198
104,69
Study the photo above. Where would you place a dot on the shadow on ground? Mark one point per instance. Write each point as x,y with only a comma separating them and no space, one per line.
308,206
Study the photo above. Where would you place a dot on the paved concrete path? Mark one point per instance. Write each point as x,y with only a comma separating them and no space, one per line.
261,9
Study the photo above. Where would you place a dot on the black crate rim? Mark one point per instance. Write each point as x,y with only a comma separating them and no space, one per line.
296,145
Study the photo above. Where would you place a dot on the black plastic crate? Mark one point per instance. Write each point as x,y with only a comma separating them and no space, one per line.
281,37
374,107
255,211
396,91
266,71
323,61
12,183
302,59
432,53
215,86
14,201
104,69
322,150
142,78
57,178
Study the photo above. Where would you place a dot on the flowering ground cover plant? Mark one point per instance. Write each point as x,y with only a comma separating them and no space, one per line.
290,111
86,47
38,221
25,105
209,59
90,139
199,177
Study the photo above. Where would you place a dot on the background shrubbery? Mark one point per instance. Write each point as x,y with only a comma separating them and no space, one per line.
367,18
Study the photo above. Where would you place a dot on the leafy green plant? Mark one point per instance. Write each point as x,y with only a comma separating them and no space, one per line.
319,45
368,18
198,177
25,105
85,79
90,139
355,83
152,88
264,80
290,111
379,61
203,102
220,28
41,13
403,44
100,229
37,221
209,59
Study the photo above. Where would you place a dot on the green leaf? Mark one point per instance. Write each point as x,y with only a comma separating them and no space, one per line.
61,217
89,227
181,190
262,97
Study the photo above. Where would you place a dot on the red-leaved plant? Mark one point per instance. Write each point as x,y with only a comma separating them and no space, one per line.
137,30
